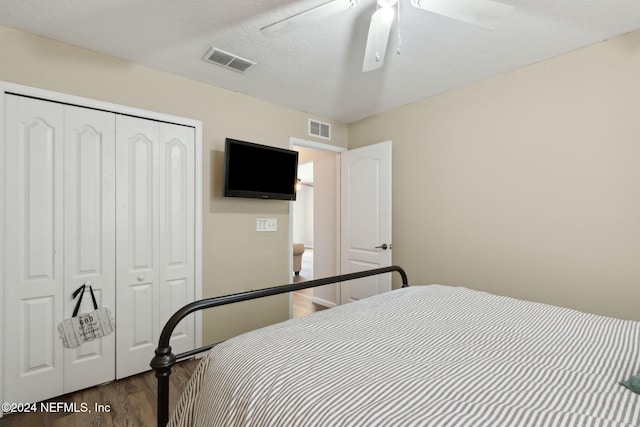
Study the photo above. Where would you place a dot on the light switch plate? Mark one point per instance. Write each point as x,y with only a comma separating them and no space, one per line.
266,224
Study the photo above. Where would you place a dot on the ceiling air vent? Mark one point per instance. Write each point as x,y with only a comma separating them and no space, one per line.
319,129
228,60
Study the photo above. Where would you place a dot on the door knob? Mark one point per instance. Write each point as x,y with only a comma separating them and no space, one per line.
382,246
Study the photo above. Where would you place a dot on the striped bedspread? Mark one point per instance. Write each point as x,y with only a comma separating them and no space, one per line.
422,356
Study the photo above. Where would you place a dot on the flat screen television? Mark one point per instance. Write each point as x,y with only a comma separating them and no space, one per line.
259,171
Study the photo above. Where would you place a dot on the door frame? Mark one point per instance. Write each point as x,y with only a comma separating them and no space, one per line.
299,142
47,95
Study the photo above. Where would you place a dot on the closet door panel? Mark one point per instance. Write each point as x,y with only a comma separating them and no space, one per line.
137,211
33,276
177,222
89,236
155,237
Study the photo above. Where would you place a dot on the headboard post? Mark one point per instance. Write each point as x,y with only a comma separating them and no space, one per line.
162,363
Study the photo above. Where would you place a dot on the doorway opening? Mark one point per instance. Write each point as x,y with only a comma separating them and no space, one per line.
303,232
315,226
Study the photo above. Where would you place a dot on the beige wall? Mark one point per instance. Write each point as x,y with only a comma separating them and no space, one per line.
235,257
526,184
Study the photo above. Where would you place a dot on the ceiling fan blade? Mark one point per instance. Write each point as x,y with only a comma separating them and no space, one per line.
377,40
486,14
308,16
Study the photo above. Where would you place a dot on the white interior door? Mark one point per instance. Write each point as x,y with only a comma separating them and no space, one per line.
155,237
89,249
365,199
33,247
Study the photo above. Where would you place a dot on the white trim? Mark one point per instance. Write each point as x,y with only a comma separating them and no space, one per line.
290,252
315,145
338,224
199,197
47,95
2,196
323,302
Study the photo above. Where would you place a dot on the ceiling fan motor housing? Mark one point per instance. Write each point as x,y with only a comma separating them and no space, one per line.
387,3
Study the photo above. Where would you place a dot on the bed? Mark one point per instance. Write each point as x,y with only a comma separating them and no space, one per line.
422,356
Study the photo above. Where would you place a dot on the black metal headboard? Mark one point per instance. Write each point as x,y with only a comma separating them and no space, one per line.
165,359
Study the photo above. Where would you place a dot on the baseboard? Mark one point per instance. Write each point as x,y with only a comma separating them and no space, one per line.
323,302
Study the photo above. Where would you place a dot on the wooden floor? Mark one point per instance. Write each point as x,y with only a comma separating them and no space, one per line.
303,300
303,304
131,402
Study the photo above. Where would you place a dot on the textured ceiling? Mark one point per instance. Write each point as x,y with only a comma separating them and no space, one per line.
318,68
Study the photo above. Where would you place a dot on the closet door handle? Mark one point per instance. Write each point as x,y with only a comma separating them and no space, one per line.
140,278
382,246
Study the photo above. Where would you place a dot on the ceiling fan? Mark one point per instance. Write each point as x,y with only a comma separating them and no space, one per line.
486,14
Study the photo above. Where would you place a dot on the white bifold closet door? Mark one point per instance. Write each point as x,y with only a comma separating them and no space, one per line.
60,219
155,237
99,197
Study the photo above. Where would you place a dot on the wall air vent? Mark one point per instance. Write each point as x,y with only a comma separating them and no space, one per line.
319,129
228,60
